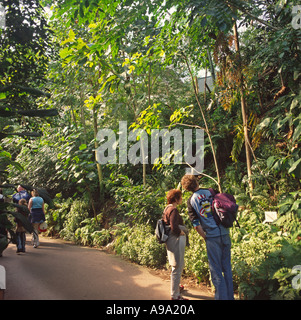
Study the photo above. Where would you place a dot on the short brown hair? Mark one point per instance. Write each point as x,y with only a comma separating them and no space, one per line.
189,182
22,202
173,196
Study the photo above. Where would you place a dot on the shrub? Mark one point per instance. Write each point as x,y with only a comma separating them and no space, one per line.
56,217
139,244
139,204
262,257
196,261
101,238
78,212
247,257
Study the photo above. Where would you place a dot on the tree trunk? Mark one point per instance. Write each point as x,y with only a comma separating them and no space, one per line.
206,125
83,120
211,65
243,110
99,169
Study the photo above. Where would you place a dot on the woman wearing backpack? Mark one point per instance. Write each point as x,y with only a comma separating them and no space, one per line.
176,241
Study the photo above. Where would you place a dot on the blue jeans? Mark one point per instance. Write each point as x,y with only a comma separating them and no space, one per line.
219,257
21,239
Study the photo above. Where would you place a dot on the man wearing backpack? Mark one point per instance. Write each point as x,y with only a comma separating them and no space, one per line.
217,237
21,194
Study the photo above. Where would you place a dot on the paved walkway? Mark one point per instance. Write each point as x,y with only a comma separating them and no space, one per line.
58,270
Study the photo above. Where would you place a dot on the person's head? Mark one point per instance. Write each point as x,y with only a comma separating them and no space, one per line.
190,183
22,202
35,193
20,188
174,196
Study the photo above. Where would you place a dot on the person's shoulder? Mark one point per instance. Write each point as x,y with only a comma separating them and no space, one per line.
173,209
203,191
170,210
196,193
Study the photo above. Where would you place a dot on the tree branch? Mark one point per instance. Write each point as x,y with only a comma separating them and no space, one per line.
203,174
205,122
33,91
189,125
251,15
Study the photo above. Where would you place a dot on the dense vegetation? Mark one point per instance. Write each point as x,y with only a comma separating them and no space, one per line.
96,63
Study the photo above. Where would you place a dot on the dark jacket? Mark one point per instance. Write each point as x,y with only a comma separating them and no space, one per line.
172,217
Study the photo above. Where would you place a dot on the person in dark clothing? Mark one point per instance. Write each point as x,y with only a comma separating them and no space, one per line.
176,241
20,230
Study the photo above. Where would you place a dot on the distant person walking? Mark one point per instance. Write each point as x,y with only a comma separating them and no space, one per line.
21,194
176,241
20,230
37,213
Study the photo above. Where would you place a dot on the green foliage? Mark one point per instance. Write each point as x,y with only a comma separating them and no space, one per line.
290,211
259,252
77,214
24,48
56,217
139,244
69,162
101,238
196,261
284,278
139,204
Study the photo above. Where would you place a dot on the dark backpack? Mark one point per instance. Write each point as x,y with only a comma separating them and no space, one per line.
162,231
224,209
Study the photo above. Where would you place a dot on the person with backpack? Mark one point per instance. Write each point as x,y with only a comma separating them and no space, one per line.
176,241
218,242
21,194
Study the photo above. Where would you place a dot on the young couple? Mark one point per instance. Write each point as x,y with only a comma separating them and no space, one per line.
217,238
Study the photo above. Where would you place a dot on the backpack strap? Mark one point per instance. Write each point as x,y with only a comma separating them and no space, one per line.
166,212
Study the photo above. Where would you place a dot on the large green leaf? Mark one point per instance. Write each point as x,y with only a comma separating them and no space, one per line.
296,169
23,219
297,132
3,243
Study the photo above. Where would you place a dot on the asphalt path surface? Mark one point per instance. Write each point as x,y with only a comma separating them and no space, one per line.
59,270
